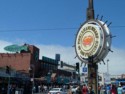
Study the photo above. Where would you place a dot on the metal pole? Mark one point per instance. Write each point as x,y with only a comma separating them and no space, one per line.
79,75
32,71
8,71
93,77
90,10
33,78
107,66
92,67
91,4
8,91
33,82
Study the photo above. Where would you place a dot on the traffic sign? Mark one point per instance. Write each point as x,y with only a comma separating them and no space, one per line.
84,69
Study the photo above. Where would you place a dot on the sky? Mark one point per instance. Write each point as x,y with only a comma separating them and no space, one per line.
51,25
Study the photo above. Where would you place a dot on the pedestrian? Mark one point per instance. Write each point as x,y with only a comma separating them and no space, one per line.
91,91
39,88
84,89
113,89
108,89
119,89
3,90
99,89
78,91
69,90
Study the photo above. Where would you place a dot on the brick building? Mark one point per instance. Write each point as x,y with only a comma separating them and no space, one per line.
22,61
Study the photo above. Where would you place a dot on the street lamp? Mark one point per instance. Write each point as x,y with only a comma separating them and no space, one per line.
107,66
8,71
32,70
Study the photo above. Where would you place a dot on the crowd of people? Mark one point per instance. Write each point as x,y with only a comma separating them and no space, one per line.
84,89
111,89
103,89
81,89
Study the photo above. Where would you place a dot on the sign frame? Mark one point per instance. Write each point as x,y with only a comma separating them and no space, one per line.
92,32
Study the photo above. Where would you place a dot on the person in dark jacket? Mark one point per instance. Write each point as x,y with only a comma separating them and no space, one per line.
78,91
91,91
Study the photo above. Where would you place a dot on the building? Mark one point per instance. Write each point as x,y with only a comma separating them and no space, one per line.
25,60
22,61
69,71
57,71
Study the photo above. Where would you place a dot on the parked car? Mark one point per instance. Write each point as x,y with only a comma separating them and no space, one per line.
57,91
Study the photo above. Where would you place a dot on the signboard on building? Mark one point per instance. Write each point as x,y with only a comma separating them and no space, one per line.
16,48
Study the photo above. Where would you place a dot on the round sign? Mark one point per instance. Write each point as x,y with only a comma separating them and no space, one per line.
93,39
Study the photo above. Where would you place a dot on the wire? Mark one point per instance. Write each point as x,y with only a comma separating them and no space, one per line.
122,26
50,29
45,29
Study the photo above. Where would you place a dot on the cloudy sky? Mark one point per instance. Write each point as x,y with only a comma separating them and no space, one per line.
116,64
51,25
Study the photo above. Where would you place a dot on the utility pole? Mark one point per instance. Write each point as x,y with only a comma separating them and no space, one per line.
92,67
90,10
